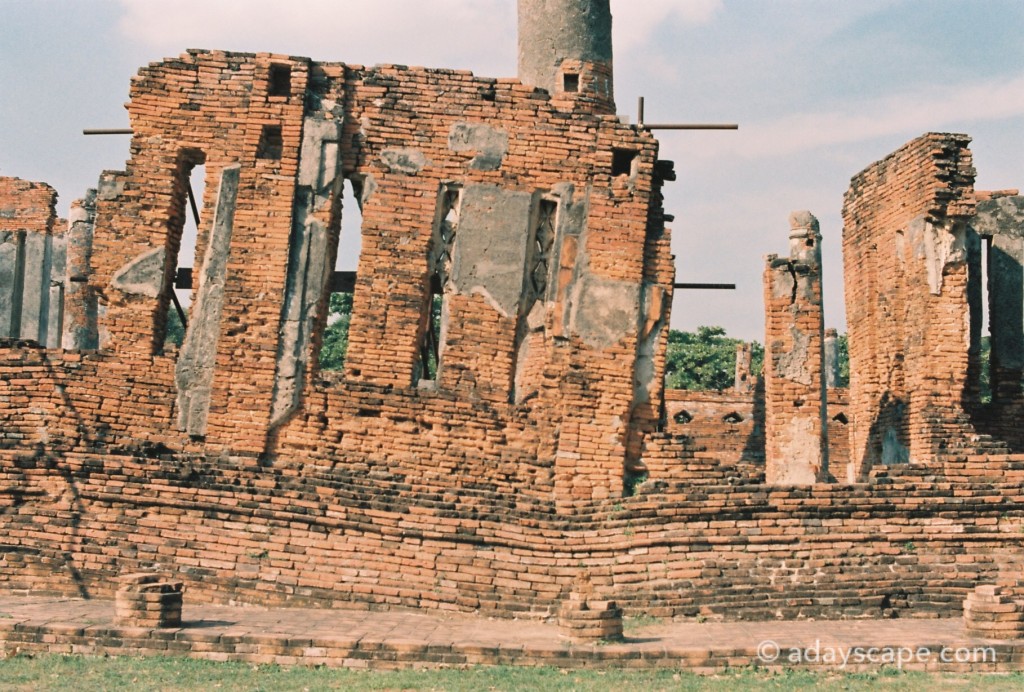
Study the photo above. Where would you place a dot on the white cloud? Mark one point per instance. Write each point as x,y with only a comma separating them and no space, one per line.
636,20
472,34
954,107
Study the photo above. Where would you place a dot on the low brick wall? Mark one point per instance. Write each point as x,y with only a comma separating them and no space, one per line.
275,533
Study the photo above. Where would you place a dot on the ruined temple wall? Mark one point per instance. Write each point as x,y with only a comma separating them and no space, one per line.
245,383
32,262
506,150
727,429
220,110
26,206
1000,222
906,280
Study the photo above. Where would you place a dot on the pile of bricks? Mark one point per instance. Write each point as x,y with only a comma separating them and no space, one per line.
147,600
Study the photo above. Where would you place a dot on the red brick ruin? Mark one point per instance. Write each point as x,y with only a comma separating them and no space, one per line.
500,430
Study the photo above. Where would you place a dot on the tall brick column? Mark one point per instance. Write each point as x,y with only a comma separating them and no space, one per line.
796,443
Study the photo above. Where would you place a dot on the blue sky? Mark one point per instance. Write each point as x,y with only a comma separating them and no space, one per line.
820,89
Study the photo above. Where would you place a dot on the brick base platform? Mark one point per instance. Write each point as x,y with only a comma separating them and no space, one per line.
366,639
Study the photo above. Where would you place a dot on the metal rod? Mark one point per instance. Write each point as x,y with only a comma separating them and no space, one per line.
101,131
177,306
640,112
192,202
183,278
690,126
712,287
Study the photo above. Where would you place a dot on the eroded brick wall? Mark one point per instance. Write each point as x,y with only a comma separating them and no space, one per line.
488,485
796,432
905,260
285,533
32,256
999,227
552,345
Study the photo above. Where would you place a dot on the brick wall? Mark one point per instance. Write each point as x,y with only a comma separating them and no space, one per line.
292,531
905,263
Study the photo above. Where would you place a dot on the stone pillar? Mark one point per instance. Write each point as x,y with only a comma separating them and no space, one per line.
565,47
796,438
80,330
743,384
12,251
831,358
35,297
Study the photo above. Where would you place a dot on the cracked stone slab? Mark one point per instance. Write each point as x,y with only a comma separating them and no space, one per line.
142,276
405,160
490,143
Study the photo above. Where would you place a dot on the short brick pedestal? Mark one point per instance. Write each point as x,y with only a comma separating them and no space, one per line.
991,612
585,618
147,600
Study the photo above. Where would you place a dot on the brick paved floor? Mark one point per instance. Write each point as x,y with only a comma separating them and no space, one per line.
390,639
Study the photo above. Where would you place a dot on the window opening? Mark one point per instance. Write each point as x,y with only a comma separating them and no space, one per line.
431,347
683,417
271,144
543,241
538,276
571,82
334,346
279,82
191,188
622,161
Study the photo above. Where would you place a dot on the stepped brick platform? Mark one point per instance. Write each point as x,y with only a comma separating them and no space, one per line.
367,639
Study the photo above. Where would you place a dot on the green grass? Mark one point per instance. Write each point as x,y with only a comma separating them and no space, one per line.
82,673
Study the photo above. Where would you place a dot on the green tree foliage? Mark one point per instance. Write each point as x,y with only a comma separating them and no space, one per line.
335,344
843,354
705,359
175,329
985,376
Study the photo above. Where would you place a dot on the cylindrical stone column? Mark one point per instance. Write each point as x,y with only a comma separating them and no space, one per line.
831,358
80,330
565,47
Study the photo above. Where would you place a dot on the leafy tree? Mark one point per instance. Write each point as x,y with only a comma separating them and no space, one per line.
705,359
843,354
985,376
175,329
335,343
